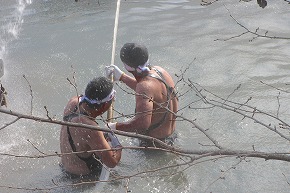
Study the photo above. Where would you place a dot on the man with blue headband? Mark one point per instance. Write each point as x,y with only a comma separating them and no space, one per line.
83,109
156,100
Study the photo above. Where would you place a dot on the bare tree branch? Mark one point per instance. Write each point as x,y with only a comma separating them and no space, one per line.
30,88
255,33
8,124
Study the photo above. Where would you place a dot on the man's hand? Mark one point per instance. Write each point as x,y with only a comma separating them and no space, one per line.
113,69
114,140
112,126
110,136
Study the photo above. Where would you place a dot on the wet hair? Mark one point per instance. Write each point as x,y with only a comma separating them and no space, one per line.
98,89
134,54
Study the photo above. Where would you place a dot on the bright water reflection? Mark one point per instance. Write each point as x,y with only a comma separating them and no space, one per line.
42,39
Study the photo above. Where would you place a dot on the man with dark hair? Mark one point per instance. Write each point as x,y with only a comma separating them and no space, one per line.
155,95
83,109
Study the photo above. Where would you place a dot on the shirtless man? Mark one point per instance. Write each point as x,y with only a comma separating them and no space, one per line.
98,97
155,93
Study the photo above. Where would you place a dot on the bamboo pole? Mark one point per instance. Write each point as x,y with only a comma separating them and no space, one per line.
104,176
110,110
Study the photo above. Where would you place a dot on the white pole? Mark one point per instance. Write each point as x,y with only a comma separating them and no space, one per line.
110,110
105,174
115,32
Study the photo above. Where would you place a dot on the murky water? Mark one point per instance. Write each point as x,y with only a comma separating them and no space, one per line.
49,40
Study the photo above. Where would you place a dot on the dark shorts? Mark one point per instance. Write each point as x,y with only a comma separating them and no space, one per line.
93,175
168,140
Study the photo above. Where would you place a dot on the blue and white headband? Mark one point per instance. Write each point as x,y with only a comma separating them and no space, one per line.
95,101
140,68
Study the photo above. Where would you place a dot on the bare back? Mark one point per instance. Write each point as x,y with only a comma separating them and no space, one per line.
162,123
84,140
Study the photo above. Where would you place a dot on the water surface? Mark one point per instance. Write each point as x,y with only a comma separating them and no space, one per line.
50,40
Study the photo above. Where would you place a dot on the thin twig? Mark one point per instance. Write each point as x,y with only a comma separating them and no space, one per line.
31,101
7,124
257,35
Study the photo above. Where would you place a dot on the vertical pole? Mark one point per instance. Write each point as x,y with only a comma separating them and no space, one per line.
110,110
105,173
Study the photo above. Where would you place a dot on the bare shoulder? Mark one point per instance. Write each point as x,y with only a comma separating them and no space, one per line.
86,132
166,75
71,105
84,120
146,85
73,101
161,69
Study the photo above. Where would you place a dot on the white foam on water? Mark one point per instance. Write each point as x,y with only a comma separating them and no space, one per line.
9,32
12,29
5,148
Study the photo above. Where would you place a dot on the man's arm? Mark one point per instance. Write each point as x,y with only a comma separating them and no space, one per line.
119,75
144,107
97,141
129,81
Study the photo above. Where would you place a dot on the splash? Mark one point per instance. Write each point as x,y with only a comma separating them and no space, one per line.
12,26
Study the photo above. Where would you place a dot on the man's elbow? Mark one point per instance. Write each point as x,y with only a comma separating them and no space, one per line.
143,127
113,162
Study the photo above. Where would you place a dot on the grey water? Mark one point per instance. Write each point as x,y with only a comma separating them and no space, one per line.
44,42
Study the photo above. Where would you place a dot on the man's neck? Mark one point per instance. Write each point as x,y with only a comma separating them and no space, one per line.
89,111
139,76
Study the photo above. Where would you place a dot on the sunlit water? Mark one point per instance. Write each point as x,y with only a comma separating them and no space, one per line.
49,40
